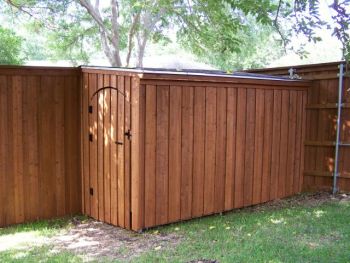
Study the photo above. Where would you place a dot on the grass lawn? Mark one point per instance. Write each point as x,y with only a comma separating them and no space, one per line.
290,232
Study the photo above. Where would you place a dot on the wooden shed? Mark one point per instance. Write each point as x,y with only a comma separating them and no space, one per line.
163,146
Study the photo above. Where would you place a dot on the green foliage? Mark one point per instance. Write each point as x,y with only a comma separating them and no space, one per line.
217,31
254,45
10,47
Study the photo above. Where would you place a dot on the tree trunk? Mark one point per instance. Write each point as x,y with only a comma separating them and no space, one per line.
141,51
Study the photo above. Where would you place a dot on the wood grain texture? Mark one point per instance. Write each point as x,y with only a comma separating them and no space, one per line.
198,151
114,152
38,166
220,162
162,155
240,147
210,150
317,124
175,127
230,147
150,156
187,153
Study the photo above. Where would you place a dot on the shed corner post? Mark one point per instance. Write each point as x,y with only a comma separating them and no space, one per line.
136,202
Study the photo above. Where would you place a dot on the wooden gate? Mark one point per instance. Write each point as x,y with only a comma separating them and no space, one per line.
106,149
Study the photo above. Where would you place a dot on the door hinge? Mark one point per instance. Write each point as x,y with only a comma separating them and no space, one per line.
128,134
90,109
91,191
90,137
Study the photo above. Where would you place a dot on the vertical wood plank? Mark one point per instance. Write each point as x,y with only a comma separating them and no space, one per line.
30,128
107,148
142,150
258,146
230,147
175,153
72,145
150,155
267,149
127,147
162,155
282,176
114,151
18,150
93,126
59,146
85,143
302,148
187,152
249,153
46,148
290,176
10,216
276,139
120,161
298,141
210,149
240,147
4,154
135,156
220,167
198,151
100,142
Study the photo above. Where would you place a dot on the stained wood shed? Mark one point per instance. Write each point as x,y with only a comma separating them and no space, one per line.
163,146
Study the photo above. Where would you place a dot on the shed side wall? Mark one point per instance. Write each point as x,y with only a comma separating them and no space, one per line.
210,149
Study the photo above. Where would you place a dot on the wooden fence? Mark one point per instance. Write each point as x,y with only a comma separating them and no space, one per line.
321,125
39,143
163,147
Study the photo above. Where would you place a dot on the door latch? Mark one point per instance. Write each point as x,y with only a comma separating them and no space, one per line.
91,191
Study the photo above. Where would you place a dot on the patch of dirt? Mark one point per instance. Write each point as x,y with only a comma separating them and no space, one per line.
304,199
95,240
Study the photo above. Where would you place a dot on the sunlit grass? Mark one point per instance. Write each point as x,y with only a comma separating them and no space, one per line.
41,227
299,234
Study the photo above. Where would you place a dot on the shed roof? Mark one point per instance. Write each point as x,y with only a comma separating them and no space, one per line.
148,72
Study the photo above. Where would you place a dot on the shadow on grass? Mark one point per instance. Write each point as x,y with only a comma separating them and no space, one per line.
38,254
44,227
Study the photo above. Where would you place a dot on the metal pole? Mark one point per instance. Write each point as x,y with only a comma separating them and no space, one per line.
337,143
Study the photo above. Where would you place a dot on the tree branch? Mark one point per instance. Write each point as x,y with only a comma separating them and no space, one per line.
275,22
131,35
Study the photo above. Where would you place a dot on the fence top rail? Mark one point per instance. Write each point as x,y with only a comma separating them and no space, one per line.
38,70
307,68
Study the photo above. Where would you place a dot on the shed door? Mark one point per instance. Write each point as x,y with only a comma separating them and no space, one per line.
109,151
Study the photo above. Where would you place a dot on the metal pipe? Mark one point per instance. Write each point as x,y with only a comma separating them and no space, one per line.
337,142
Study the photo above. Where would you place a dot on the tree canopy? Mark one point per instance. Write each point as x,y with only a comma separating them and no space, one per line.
10,47
217,28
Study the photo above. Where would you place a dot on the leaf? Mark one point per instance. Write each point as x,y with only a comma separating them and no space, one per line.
158,248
